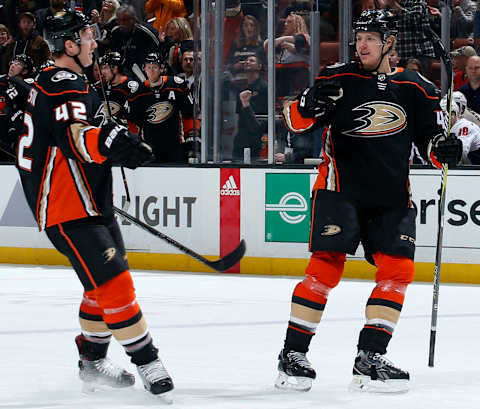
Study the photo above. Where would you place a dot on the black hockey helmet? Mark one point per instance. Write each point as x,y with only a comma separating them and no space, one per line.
153,58
379,21
112,59
64,25
26,61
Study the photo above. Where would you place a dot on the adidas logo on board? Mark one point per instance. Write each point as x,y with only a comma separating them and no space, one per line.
230,188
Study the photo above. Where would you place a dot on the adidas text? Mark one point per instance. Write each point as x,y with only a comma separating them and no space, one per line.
230,188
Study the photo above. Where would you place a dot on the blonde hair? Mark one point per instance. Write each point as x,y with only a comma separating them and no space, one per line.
183,26
299,22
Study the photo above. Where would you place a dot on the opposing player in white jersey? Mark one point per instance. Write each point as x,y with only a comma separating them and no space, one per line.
467,131
465,111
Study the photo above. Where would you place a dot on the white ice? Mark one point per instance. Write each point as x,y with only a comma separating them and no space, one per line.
219,337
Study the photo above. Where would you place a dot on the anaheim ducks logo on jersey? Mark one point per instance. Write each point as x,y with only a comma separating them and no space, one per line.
159,112
381,119
102,110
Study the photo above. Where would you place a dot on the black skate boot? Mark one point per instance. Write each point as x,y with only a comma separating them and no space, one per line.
155,378
97,370
294,371
374,373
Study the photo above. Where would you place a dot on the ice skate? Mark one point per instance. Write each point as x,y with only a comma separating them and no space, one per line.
295,371
156,379
374,373
98,370
103,372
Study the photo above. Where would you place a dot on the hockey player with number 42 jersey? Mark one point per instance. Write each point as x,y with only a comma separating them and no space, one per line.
362,194
163,110
65,162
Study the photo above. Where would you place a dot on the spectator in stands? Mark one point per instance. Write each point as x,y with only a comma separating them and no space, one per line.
26,42
106,20
460,57
393,58
188,66
133,40
461,23
248,43
292,56
253,99
41,14
414,65
5,38
471,90
257,9
178,37
164,11
413,28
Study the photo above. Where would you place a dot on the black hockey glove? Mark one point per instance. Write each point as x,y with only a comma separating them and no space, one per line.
448,150
122,147
319,100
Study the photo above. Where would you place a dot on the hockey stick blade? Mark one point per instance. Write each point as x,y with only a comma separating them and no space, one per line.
222,264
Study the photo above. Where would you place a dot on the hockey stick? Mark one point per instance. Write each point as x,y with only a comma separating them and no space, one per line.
221,264
445,57
126,204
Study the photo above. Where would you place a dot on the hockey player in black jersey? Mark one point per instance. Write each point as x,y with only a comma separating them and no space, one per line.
118,88
65,159
14,89
373,114
163,109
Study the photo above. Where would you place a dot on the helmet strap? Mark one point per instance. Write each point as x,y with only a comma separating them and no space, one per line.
75,57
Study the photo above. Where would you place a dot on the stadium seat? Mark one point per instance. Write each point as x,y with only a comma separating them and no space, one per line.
328,52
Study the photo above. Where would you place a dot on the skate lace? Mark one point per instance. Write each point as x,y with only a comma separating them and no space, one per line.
299,358
384,362
154,371
108,368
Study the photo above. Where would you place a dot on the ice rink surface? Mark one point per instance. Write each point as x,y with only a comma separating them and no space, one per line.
219,337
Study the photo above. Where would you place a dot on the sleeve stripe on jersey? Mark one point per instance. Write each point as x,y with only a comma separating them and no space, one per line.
327,171
343,74
294,121
71,91
80,184
84,143
331,178
44,191
418,86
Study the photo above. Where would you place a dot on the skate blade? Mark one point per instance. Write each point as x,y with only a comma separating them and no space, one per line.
365,384
293,383
165,398
92,387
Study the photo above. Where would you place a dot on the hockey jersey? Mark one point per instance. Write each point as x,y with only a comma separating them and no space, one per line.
13,98
117,96
164,113
63,174
367,142
469,134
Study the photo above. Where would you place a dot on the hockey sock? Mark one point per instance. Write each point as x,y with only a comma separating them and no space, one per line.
386,301
94,330
307,310
143,351
91,351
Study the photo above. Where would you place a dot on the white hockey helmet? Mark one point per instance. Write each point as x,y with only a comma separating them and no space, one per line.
461,100
455,106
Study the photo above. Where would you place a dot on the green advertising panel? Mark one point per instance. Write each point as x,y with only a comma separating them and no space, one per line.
287,207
